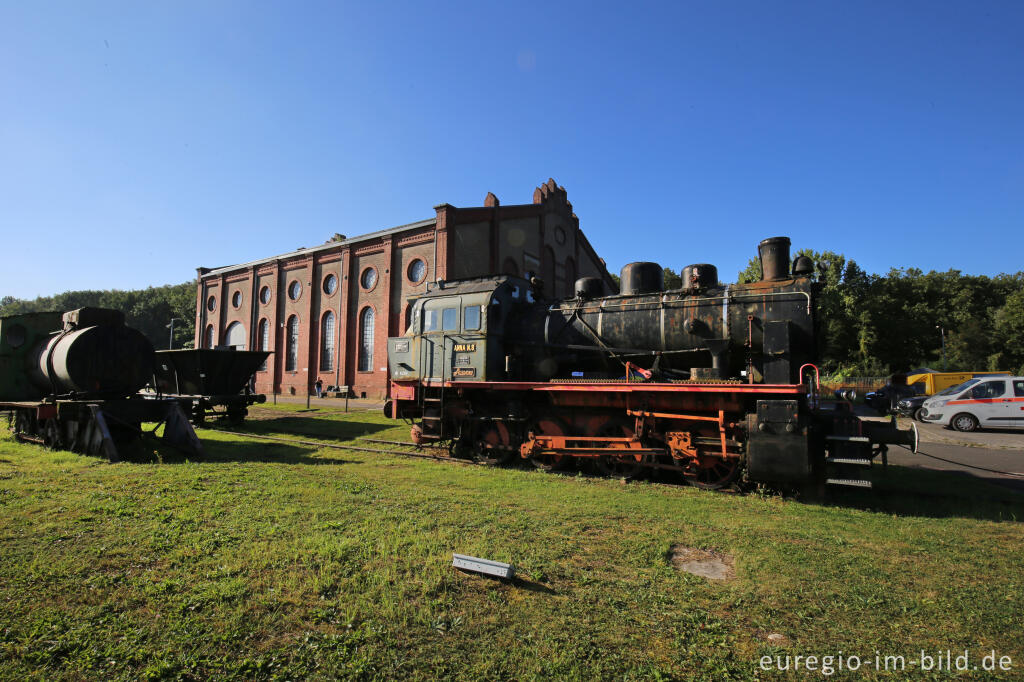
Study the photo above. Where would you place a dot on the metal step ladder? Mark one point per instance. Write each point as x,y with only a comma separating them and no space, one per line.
844,457
432,400
433,414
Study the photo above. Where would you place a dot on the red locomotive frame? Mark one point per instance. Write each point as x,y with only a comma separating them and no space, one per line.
697,429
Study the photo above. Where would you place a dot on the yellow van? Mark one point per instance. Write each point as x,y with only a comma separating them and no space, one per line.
930,383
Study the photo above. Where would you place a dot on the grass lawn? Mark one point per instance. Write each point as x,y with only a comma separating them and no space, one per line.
274,561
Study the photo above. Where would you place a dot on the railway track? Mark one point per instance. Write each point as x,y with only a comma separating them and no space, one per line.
356,448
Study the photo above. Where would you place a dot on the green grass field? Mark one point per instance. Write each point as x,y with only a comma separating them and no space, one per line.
274,561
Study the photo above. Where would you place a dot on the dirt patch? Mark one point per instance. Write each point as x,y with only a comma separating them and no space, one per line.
707,563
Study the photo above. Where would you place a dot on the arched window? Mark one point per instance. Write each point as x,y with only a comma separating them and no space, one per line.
327,342
292,345
366,340
235,336
570,274
264,340
209,337
547,270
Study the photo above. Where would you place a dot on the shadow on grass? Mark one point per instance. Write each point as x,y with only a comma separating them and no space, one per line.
517,582
267,452
152,450
531,586
909,491
308,427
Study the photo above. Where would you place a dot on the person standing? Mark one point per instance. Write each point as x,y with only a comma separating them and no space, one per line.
319,386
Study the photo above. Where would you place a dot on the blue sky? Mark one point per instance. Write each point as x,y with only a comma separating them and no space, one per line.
141,140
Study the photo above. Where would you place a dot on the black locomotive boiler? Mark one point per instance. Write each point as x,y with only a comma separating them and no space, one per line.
716,382
70,381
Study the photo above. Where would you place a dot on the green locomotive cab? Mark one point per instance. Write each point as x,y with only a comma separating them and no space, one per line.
455,332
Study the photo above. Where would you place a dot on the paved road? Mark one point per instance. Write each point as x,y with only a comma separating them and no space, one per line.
1001,439
1001,450
962,457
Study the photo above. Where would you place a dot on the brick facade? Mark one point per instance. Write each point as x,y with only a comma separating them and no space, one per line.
542,237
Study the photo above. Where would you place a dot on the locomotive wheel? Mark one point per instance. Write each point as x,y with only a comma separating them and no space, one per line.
625,466
621,466
549,426
714,473
494,446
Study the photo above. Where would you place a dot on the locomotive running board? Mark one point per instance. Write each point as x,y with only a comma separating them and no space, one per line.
848,482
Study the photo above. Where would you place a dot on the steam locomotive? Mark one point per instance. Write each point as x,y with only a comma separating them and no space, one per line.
714,382
71,381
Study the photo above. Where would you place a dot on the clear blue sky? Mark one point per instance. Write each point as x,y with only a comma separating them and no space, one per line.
143,139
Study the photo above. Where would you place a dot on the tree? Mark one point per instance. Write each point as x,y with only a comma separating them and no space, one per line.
148,310
751,273
1009,333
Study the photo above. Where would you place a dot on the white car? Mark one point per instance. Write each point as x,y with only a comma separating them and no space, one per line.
993,402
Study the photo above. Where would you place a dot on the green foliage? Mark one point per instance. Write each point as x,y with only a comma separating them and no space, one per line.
149,310
672,279
1009,327
751,273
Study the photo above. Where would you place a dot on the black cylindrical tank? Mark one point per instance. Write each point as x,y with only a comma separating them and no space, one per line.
641,278
589,287
700,276
774,253
108,359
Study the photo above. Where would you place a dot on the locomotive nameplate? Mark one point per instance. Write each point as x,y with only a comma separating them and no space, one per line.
464,372
462,360
465,347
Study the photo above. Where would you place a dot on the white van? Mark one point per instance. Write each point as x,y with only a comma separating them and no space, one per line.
993,402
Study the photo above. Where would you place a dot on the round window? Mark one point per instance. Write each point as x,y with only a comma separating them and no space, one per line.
369,278
236,299
559,235
417,271
330,284
211,303
294,290
265,295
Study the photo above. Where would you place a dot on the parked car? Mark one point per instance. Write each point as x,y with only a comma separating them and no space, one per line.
909,399
992,402
887,398
911,407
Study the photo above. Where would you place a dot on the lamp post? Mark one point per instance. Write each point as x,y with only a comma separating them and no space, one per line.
942,331
170,340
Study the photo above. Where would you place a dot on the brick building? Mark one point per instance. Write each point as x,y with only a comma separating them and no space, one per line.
327,311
